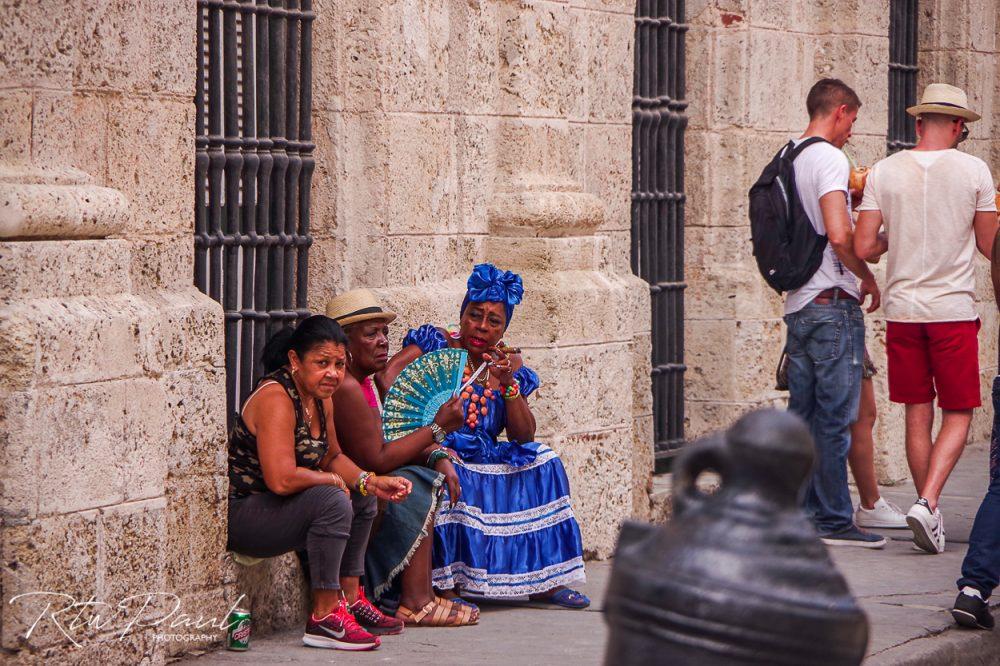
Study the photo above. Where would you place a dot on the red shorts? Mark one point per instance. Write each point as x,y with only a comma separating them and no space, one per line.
941,356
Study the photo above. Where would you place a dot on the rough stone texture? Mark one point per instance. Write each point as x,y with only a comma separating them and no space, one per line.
450,133
111,378
740,55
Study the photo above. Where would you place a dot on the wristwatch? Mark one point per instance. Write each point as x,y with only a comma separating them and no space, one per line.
438,433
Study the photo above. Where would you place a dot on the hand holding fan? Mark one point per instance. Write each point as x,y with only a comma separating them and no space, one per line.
420,390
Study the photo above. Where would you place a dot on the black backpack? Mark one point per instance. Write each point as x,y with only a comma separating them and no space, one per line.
785,243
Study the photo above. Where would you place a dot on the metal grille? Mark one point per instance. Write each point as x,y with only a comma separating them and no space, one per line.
902,74
658,123
253,167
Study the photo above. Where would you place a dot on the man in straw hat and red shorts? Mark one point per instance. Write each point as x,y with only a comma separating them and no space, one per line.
937,206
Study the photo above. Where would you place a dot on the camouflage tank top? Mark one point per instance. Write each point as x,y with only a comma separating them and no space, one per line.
245,474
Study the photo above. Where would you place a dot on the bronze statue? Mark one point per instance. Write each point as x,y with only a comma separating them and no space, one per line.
738,576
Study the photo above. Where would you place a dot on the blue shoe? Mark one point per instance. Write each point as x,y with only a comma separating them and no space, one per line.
568,598
852,536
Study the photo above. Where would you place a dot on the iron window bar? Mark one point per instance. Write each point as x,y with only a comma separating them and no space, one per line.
253,170
902,74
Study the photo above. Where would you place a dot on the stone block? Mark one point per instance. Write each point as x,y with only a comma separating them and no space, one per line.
422,184
85,433
38,44
43,269
162,262
863,64
731,71
642,467
20,463
328,271
530,151
363,199
327,57
15,126
359,24
608,172
51,210
783,15
474,60
430,258
579,376
781,61
642,391
195,408
476,165
596,462
172,49
157,171
211,605
28,553
113,46
865,17
131,553
615,252
610,57
184,330
417,66
536,60
699,64
276,593
328,127
146,436
196,518
939,29
709,349
71,340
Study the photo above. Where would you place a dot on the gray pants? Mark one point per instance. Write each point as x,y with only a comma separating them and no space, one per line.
323,520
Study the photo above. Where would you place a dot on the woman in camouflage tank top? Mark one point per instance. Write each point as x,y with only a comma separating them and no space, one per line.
291,488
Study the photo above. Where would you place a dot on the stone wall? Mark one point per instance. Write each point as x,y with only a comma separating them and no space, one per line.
111,380
750,66
453,132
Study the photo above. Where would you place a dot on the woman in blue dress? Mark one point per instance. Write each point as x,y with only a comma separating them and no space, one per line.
512,532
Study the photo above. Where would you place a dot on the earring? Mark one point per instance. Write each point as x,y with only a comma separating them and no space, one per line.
294,370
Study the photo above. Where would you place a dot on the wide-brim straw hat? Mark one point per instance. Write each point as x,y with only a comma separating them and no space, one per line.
357,305
944,99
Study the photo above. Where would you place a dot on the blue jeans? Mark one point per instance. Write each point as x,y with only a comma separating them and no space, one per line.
981,566
826,347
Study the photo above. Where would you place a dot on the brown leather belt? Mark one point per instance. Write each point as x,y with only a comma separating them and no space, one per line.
833,295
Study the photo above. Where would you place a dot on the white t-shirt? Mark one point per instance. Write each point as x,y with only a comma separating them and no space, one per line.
820,169
928,199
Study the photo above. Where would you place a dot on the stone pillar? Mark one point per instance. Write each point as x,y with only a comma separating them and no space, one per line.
450,133
111,381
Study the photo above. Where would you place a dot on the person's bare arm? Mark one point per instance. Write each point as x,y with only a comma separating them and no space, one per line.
995,268
520,423
985,226
841,238
357,426
272,419
869,244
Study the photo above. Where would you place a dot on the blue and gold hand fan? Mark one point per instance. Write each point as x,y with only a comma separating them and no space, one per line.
420,390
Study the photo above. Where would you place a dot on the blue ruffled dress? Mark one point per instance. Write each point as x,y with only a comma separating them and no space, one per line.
513,532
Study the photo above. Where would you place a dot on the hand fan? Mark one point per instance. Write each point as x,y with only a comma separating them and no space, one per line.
420,390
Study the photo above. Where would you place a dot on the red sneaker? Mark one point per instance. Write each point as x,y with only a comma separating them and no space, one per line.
338,630
372,619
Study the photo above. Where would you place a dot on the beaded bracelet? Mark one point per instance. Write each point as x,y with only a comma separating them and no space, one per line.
512,392
363,482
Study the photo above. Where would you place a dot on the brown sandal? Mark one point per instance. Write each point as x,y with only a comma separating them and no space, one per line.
438,613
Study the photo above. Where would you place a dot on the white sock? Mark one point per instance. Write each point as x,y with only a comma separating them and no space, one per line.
972,592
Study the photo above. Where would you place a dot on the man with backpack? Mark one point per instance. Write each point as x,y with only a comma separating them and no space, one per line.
938,207
803,241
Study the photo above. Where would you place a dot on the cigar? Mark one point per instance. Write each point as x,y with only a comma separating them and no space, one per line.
508,350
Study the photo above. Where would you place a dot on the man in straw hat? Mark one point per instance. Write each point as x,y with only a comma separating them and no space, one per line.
937,206
399,554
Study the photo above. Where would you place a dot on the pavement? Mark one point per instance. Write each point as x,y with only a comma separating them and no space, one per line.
906,594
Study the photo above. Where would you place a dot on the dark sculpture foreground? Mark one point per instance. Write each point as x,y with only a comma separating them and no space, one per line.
738,576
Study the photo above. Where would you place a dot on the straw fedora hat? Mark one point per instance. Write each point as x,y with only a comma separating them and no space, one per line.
945,99
357,305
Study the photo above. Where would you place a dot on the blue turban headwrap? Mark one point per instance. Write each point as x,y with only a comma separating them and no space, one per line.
490,284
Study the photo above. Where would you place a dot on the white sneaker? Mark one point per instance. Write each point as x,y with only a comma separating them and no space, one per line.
928,528
885,515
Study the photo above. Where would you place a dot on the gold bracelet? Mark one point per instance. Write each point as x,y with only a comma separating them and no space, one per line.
362,484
